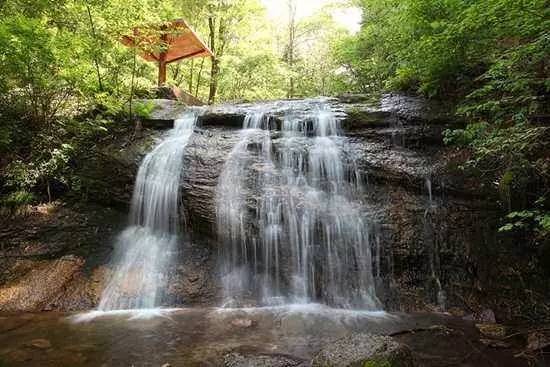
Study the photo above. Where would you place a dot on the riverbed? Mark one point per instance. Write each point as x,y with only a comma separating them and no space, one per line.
205,336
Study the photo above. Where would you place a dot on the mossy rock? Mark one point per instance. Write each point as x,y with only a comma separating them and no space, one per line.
388,362
364,350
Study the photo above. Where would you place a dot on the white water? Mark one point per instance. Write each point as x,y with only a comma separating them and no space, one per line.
144,250
290,216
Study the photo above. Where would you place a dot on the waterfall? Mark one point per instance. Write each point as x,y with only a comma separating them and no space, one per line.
232,208
290,217
144,249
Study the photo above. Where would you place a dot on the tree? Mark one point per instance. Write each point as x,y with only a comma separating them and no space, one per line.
290,51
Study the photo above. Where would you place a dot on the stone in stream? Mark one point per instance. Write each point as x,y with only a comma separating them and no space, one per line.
538,340
494,343
358,350
492,330
40,344
263,360
242,323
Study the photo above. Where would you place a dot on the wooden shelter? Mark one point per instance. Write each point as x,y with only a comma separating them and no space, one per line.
167,42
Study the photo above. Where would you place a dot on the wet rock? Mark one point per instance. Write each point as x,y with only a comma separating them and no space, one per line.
191,280
205,157
417,237
495,343
492,330
359,350
393,110
262,360
227,120
44,282
68,274
20,355
358,98
538,341
40,344
83,293
8,324
485,316
163,112
242,323
108,171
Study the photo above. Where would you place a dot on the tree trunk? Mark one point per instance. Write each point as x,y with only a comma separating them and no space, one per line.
214,67
291,43
199,77
96,61
191,70
162,59
132,85
214,73
162,72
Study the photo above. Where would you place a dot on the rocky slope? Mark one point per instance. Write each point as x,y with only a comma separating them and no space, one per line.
437,246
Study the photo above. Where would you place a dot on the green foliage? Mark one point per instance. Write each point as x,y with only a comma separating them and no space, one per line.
66,77
144,109
513,159
383,362
25,176
528,219
515,85
536,219
490,57
31,69
437,47
466,137
18,198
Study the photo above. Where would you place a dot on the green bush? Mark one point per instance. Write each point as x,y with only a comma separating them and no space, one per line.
465,137
17,199
144,109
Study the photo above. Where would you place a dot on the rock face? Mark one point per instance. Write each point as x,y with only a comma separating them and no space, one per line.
161,112
431,227
52,256
41,284
359,350
205,157
435,236
58,259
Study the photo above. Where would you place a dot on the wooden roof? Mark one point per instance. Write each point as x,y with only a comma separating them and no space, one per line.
169,42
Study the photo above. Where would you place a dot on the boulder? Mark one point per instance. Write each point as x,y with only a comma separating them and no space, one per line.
492,330
40,344
359,350
161,112
37,288
260,360
538,340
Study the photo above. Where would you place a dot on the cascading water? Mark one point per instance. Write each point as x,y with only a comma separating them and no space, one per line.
232,208
303,234
144,249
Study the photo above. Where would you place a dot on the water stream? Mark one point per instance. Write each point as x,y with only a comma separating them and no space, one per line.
290,216
144,249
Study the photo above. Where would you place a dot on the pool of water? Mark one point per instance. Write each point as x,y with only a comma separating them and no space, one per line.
202,336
